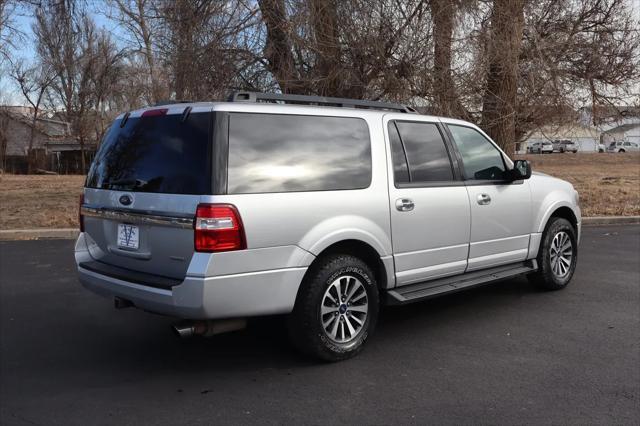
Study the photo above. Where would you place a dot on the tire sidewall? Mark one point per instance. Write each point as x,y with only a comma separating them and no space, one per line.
544,258
306,322
369,325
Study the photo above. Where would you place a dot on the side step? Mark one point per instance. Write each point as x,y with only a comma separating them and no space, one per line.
428,289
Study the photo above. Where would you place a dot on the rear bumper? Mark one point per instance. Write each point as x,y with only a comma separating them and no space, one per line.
226,296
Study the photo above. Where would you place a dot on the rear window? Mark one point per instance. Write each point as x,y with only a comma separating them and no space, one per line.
160,154
286,153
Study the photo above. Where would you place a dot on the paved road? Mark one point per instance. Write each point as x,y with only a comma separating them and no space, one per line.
503,354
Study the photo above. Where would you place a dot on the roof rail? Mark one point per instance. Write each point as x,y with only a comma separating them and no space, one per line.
170,102
241,96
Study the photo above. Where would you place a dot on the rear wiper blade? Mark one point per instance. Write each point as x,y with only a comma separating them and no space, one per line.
135,183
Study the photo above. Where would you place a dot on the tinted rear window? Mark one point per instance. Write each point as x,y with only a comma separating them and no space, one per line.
159,154
425,151
285,153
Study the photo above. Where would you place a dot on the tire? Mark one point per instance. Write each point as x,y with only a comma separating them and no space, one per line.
622,150
334,335
556,275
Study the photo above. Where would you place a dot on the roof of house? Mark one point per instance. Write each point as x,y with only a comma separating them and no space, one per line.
623,128
46,126
565,131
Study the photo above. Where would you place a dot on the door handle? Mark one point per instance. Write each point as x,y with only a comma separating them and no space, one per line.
484,199
404,204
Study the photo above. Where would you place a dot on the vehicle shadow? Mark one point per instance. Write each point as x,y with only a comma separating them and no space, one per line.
139,344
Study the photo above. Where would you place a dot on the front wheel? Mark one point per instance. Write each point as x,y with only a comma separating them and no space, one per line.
336,309
557,256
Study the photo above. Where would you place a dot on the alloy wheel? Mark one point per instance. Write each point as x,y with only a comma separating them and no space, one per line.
561,254
344,309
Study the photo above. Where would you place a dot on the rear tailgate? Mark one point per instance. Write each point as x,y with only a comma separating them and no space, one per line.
143,190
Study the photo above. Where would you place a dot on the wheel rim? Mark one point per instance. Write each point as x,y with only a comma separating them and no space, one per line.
344,309
561,254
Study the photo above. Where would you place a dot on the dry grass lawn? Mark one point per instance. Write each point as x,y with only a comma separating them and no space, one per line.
609,184
39,201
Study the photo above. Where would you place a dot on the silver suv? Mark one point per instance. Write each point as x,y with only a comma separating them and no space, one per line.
319,208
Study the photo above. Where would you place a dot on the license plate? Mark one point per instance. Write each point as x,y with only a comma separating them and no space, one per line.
128,236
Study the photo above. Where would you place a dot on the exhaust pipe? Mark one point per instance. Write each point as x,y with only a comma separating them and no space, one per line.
208,328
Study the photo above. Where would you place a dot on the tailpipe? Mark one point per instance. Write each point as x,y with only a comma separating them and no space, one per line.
208,328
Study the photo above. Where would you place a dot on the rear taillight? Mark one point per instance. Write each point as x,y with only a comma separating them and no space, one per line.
218,227
80,216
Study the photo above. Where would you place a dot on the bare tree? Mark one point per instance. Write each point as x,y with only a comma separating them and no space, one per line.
137,17
83,61
357,48
9,31
34,81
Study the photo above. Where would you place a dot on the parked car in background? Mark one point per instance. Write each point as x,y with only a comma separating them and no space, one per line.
540,147
228,210
565,145
623,146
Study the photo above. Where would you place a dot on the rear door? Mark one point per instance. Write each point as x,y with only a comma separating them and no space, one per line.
500,208
430,219
143,189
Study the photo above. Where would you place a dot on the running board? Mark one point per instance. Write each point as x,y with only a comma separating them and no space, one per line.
428,289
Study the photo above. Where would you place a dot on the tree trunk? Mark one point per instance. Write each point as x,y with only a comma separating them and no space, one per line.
83,161
278,49
499,101
156,91
328,68
30,159
448,104
184,54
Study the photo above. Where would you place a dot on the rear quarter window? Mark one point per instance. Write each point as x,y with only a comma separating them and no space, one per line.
288,153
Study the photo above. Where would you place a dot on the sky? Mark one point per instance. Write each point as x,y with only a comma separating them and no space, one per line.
24,19
98,9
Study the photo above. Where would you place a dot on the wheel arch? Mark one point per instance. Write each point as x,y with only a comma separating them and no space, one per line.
565,213
562,209
382,266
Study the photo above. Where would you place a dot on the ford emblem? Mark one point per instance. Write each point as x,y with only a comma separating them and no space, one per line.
126,200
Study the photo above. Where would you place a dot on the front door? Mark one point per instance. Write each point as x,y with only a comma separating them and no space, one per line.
500,208
430,216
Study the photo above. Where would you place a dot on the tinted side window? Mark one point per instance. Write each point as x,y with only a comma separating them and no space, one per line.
400,167
286,153
481,160
426,153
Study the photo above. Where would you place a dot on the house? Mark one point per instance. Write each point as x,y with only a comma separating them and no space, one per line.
53,148
609,116
628,132
585,136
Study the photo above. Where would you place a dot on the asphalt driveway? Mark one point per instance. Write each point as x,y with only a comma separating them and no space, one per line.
502,354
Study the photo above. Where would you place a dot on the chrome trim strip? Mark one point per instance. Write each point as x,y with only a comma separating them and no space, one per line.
137,217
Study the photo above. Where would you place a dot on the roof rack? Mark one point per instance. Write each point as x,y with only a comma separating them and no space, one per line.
317,100
169,102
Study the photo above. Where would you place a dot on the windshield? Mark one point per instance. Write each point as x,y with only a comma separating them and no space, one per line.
161,154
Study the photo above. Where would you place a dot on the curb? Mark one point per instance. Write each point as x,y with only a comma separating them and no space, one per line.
38,234
610,220
72,233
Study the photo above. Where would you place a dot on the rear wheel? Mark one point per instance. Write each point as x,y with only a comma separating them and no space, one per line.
336,309
557,255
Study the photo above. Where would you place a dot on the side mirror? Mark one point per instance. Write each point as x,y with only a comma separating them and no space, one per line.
521,170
